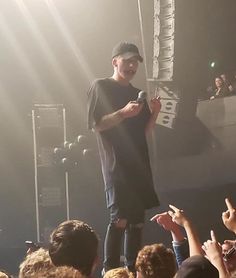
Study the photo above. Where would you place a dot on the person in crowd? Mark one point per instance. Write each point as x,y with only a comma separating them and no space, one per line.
120,272
38,264
229,216
179,218
229,257
179,241
227,82
223,257
121,117
234,82
4,274
221,90
74,243
35,262
197,266
214,249
59,272
155,261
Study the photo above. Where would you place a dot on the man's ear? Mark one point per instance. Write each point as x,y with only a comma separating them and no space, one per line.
114,62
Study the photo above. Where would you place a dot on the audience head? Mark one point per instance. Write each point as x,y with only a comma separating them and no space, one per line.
59,272
119,272
197,267
219,82
34,263
38,264
4,274
74,243
155,261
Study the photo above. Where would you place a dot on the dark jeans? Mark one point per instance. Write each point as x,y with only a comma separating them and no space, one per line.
132,234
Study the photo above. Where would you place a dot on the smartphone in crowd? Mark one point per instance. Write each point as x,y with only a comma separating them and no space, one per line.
32,246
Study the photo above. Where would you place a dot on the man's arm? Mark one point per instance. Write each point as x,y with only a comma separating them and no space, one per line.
155,107
109,121
131,109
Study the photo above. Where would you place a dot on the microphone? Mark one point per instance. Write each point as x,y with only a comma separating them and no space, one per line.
141,97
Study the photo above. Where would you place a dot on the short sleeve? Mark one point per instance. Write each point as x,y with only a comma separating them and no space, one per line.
96,104
91,104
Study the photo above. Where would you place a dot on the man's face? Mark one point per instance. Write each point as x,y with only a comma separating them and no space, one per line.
126,68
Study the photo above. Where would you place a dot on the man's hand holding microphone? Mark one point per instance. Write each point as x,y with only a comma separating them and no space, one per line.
133,108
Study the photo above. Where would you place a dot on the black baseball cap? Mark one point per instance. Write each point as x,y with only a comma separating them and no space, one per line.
126,50
197,267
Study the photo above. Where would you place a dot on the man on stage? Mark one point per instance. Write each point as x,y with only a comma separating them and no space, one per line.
122,118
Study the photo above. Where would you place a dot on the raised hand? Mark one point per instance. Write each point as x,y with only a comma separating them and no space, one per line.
229,216
165,220
178,216
155,105
230,243
213,250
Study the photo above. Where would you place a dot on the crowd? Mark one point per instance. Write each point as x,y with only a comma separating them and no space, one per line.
73,252
225,85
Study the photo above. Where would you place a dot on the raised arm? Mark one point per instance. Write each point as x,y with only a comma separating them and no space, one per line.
155,107
229,216
179,217
179,243
213,251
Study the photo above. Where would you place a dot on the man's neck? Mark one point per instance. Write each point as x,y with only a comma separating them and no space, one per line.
120,80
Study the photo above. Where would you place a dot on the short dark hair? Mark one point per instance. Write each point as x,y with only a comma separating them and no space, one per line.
74,243
156,261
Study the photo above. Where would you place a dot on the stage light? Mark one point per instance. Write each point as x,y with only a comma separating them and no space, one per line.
72,146
87,152
82,141
212,64
66,144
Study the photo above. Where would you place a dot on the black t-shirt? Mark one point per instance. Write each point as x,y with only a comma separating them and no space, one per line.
123,148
